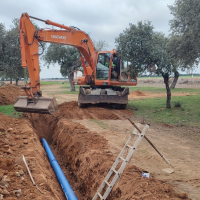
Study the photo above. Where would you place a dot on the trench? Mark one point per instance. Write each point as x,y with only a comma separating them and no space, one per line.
85,156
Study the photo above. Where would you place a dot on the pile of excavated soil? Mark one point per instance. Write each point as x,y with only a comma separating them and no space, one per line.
139,93
71,110
85,157
9,94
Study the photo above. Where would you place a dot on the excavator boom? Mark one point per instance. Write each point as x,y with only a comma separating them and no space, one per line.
29,39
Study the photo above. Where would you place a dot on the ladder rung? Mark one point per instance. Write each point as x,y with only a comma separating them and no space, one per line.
107,183
129,146
100,195
136,134
114,171
122,158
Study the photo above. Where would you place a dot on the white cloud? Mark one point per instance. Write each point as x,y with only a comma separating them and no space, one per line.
102,19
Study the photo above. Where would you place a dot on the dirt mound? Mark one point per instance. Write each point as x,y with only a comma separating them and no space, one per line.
9,94
70,110
138,93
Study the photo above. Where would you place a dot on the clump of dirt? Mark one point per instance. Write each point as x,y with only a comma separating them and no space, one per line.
9,94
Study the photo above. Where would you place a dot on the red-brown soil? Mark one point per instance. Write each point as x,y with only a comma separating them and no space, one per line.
9,94
86,158
84,155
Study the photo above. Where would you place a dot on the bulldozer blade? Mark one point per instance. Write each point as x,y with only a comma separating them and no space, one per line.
43,105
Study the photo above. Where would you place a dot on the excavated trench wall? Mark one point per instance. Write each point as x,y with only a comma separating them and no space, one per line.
85,158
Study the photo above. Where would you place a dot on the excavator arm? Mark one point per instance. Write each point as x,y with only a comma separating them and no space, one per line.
29,43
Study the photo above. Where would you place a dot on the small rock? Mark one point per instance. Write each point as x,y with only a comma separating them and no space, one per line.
22,178
2,129
9,151
5,178
1,176
12,144
5,192
21,172
10,129
1,196
4,184
25,137
17,137
21,146
18,195
18,191
17,174
25,141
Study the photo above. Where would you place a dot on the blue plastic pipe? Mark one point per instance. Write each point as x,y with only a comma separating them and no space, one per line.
69,193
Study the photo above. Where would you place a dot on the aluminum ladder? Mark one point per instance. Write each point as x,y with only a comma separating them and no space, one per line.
120,158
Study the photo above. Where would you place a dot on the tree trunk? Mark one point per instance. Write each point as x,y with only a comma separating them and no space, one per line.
25,81
70,76
176,76
166,81
17,79
10,80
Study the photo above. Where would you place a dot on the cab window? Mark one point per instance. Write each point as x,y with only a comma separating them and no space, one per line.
103,63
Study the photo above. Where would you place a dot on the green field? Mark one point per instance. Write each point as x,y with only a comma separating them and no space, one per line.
157,90
51,82
153,109
194,76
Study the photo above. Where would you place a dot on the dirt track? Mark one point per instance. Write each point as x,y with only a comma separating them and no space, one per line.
86,143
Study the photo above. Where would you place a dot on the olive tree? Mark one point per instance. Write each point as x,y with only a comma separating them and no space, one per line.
146,50
185,27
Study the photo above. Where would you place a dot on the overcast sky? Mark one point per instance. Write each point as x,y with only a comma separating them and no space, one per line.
102,19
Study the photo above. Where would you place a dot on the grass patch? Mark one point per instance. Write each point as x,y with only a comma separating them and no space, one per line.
154,110
100,123
156,90
50,83
194,76
10,111
69,92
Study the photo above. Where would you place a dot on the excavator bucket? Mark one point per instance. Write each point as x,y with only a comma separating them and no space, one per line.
42,105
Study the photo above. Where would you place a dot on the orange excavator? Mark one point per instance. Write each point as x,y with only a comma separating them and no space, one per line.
103,72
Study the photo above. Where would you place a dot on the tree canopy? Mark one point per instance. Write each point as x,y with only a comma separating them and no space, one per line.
10,59
64,55
185,28
146,50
